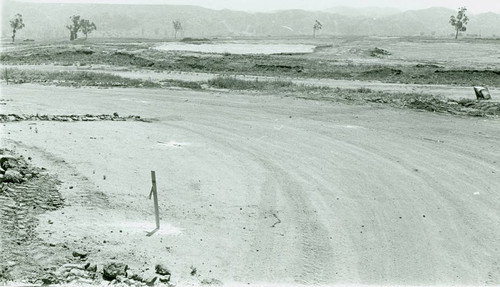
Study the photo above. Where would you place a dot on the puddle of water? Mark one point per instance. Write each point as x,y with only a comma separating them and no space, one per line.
242,49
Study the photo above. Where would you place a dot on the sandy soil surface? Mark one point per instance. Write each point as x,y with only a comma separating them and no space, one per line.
264,189
449,91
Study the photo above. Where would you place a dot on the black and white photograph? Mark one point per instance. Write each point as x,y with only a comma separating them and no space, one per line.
260,143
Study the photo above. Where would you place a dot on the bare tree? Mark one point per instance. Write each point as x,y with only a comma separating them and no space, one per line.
74,27
459,21
317,26
16,24
87,27
79,24
177,27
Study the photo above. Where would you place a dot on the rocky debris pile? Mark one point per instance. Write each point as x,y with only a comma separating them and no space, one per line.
69,118
465,107
15,169
71,272
25,192
378,52
117,273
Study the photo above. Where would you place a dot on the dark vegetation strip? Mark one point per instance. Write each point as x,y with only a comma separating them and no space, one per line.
86,79
467,107
68,78
265,65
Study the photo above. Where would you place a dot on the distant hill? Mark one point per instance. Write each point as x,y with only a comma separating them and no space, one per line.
155,21
370,12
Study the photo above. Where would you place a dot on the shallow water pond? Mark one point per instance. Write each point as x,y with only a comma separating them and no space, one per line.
235,48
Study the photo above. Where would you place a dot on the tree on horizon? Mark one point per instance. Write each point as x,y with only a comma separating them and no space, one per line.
87,27
16,24
459,21
74,27
317,26
177,27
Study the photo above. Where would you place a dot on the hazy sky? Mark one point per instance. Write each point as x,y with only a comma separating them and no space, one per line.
474,6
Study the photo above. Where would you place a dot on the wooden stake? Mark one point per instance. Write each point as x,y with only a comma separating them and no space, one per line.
155,199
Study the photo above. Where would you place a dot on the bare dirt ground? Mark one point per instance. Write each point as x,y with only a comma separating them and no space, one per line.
264,189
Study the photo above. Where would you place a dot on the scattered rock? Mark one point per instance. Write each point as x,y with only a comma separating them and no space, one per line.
121,278
69,118
132,274
70,266
211,281
91,267
164,278
50,279
7,161
80,253
113,269
193,271
77,273
13,176
150,281
161,269
83,281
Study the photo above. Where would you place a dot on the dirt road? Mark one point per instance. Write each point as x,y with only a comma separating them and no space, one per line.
263,189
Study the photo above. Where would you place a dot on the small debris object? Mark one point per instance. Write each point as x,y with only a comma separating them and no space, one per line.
79,253
161,270
482,93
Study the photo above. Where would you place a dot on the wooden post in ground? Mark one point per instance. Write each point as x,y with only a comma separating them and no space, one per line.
155,199
154,192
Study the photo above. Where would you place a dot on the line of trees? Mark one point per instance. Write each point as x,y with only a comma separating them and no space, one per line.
78,24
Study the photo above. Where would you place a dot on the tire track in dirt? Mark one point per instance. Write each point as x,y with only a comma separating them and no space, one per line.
311,264
383,169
